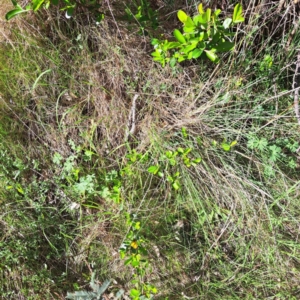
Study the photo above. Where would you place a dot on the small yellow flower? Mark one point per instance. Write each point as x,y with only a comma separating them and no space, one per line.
134,245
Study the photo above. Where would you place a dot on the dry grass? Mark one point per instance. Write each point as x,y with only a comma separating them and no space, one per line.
231,230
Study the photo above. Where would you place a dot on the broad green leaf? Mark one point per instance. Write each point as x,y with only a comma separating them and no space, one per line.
189,22
55,2
238,14
224,46
182,16
36,4
211,55
200,9
11,14
178,35
227,23
197,53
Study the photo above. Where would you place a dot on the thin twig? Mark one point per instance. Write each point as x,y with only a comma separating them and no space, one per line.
296,85
131,118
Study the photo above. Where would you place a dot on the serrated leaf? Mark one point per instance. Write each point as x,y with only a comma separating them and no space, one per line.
182,16
237,16
178,35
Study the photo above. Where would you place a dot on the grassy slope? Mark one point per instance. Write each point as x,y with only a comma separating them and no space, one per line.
229,232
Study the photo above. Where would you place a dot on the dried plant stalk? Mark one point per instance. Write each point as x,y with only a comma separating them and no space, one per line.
296,85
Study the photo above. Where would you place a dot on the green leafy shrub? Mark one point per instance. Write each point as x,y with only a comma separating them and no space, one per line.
69,6
204,34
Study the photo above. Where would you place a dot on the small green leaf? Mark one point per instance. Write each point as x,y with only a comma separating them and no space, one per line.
208,14
180,150
225,146
172,45
173,62
134,293
178,35
69,12
227,23
184,132
197,160
238,14
197,53
36,4
200,9
217,12
233,143
176,186
189,48
190,23
153,169
20,189
182,16
211,55
11,14
99,17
